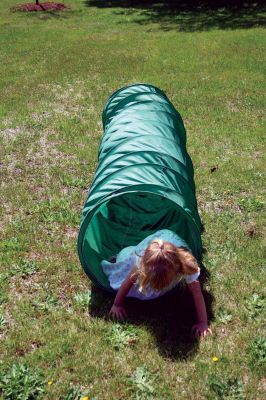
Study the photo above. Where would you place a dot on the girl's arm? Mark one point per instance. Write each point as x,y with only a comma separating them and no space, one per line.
118,311
201,328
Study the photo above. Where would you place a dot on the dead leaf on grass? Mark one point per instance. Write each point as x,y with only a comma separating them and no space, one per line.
250,229
214,168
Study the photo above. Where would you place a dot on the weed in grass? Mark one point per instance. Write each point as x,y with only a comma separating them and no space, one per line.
3,278
121,336
11,245
255,305
21,383
252,203
16,224
3,297
49,302
73,182
143,381
23,269
62,216
226,388
75,393
223,317
82,300
57,210
257,356
3,322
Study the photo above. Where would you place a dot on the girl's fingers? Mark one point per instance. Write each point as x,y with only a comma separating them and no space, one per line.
120,315
113,315
201,332
208,331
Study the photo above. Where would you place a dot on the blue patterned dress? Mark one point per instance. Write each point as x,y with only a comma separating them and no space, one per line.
130,256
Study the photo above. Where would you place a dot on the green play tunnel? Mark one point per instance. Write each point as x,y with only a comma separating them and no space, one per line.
144,180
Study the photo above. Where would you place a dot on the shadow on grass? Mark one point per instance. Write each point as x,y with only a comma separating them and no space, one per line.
189,15
168,318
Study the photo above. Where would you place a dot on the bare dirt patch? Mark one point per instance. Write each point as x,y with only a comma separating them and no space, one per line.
24,287
218,205
12,133
71,232
232,106
21,352
47,152
35,256
69,100
42,154
40,117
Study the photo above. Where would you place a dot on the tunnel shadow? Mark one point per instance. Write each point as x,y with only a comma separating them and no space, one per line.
168,318
189,15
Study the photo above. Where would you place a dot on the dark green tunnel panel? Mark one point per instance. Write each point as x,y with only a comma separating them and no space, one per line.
133,175
125,220
143,182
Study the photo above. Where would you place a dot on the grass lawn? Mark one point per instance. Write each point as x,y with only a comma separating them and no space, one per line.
57,70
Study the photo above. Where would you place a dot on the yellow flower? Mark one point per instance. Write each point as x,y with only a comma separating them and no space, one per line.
50,382
85,398
215,359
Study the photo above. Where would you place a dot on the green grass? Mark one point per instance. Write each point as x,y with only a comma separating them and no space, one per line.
57,70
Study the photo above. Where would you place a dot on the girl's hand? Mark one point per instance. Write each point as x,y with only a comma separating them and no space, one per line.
118,312
201,329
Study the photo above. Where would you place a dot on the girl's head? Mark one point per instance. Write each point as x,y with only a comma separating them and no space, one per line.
161,264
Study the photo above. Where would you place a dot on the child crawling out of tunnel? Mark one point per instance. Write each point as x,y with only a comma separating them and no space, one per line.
142,204
152,268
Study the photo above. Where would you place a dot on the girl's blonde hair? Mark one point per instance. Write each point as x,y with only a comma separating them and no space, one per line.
162,263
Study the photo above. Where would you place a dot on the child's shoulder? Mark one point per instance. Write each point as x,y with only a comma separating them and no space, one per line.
166,234
165,231
170,236
162,233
